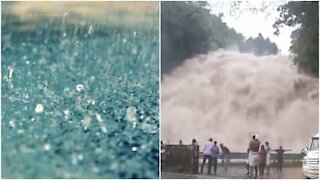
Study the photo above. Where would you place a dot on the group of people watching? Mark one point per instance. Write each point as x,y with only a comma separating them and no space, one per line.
259,157
211,153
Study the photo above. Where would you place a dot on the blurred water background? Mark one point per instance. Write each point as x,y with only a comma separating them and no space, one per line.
79,89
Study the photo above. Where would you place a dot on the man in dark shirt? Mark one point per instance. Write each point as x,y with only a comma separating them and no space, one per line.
280,152
225,156
215,155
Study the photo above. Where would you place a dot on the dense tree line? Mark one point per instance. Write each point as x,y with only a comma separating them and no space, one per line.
258,46
188,29
305,38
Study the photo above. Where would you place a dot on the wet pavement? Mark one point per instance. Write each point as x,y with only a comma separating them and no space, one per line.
237,172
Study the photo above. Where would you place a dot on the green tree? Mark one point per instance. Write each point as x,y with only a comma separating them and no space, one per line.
258,46
188,29
305,38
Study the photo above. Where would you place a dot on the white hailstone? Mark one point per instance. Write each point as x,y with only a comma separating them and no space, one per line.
90,30
80,87
103,129
26,96
80,157
99,119
134,149
66,112
134,33
10,72
91,101
86,121
47,147
39,108
12,124
131,113
134,124
20,131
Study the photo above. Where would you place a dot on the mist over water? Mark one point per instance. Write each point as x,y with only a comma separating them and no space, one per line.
229,96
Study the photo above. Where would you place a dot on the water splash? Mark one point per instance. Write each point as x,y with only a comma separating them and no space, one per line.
229,96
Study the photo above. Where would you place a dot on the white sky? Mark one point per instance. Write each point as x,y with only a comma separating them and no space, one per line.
251,23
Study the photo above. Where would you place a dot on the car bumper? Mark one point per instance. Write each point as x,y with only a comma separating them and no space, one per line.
311,171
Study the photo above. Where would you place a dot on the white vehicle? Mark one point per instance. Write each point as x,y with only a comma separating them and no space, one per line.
311,160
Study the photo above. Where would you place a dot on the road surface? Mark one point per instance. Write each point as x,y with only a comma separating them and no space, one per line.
237,172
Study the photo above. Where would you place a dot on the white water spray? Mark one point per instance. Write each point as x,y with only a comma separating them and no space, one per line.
229,96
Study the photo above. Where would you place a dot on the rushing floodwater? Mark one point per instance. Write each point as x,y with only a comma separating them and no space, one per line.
79,100
229,96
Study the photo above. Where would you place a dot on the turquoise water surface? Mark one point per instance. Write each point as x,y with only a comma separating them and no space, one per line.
79,100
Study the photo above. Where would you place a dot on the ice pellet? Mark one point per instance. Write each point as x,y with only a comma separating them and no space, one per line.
99,119
47,147
131,113
66,112
10,72
134,149
39,108
12,124
80,87
103,129
86,122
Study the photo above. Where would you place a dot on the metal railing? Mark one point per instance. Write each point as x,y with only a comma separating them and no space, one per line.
186,158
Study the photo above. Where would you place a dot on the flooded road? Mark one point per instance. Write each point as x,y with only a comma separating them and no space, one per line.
239,172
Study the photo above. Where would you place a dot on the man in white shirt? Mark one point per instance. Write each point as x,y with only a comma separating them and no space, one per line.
207,155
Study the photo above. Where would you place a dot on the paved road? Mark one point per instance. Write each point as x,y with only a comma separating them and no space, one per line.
239,172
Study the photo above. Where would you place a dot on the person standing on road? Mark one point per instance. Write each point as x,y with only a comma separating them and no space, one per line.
263,159
215,155
194,152
247,162
225,156
207,155
254,146
280,152
268,149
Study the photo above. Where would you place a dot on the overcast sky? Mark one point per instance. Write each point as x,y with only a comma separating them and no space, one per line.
250,23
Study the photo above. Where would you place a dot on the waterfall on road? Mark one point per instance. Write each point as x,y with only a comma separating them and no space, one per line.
228,96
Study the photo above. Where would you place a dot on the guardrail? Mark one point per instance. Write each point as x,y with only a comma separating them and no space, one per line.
242,156
186,158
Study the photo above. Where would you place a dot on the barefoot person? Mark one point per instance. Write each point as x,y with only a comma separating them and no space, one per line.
263,159
268,149
254,146
207,155
225,156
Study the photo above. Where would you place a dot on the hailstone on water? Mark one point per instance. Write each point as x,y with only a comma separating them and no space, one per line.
39,108
131,113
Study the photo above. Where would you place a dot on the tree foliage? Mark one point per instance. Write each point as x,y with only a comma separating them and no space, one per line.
305,38
258,46
188,29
